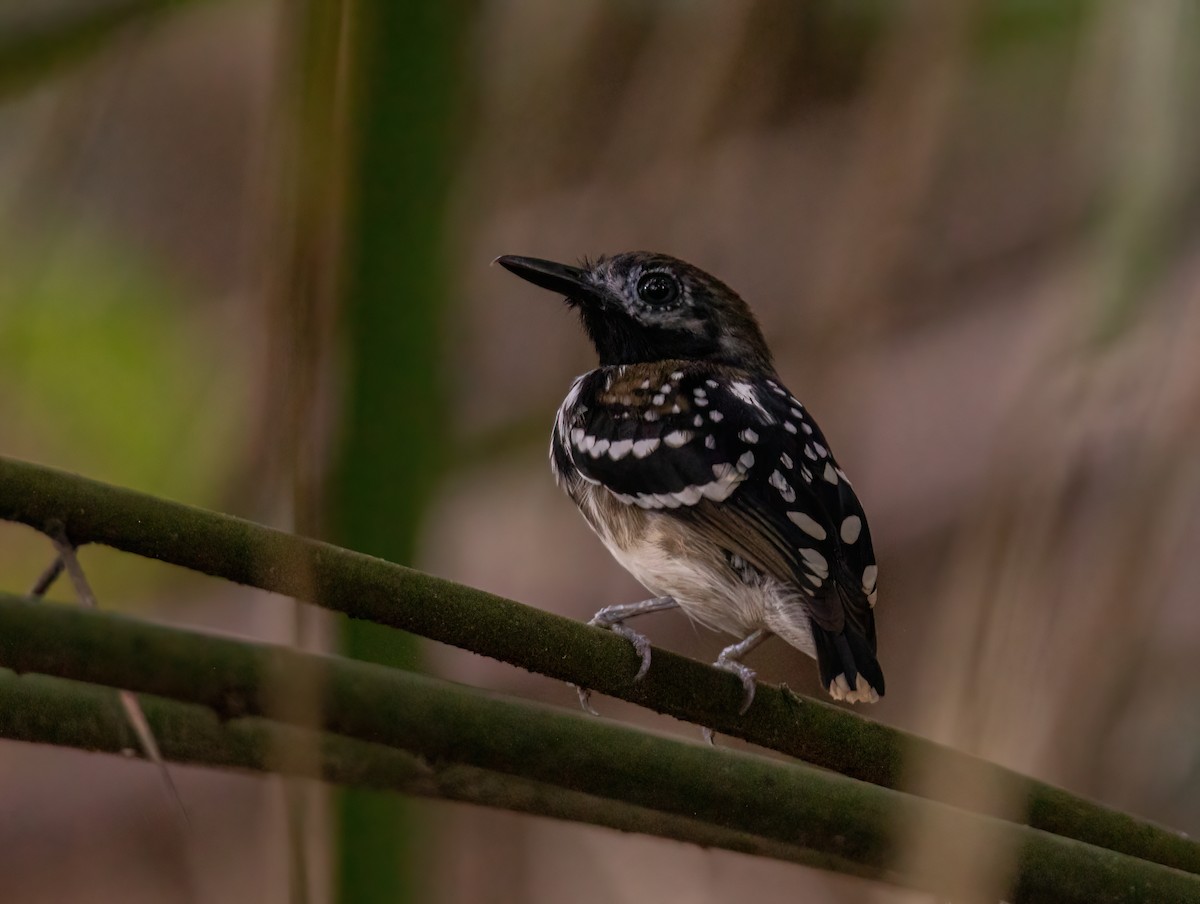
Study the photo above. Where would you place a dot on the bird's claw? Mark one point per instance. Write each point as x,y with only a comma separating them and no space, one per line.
641,646
746,674
613,618
585,700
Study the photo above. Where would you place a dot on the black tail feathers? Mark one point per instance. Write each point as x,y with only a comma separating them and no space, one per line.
846,653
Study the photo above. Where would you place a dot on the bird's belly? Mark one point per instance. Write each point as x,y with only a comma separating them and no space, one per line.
669,558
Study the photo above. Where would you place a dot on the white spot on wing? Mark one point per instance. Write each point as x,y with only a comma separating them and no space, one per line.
785,489
748,436
716,416
786,460
746,462
815,561
746,393
869,576
726,480
644,447
710,442
851,528
677,438
620,449
830,474
789,426
807,524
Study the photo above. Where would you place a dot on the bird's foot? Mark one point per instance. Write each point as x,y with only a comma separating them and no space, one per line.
745,673
641,646
730,661
613,618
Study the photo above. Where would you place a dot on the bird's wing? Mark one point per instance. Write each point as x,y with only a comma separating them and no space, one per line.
741,460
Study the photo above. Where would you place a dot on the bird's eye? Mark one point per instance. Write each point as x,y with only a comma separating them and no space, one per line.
658,288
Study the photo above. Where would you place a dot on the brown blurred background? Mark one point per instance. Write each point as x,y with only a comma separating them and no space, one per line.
971,231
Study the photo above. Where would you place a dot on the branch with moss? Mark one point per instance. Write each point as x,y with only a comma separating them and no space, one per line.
365,587
44,710
842,822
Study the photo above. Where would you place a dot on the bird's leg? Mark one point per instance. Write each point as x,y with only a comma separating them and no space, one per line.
730,661
613,618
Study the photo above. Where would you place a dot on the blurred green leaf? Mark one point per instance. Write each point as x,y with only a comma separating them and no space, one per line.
103,368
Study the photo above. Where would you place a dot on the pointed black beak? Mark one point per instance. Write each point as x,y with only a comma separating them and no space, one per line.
569,281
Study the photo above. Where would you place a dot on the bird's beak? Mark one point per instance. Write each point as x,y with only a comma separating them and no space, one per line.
569,281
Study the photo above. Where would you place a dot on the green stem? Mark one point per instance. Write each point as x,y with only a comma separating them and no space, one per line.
791,804
45,710
365,587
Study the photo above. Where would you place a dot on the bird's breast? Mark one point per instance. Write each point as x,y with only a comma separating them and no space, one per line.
670,558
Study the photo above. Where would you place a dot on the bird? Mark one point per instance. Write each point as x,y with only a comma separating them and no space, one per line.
705,477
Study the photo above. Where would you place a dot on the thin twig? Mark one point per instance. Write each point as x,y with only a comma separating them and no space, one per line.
133,710
48,577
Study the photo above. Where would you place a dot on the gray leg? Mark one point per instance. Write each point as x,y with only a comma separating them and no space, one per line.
730,661
613,618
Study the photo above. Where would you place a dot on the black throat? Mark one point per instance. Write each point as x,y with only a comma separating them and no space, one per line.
619,339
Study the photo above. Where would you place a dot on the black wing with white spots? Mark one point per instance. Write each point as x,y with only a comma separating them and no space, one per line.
653,436
739,458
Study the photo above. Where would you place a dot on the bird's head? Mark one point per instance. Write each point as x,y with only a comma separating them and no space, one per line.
638,306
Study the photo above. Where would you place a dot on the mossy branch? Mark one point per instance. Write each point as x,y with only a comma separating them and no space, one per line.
835,818
365,587
46,710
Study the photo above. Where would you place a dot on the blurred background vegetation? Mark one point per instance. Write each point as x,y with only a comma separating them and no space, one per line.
244,264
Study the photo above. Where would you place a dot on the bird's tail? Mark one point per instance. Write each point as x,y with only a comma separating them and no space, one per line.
848,667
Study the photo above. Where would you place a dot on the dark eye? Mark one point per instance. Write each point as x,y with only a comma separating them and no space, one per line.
658,288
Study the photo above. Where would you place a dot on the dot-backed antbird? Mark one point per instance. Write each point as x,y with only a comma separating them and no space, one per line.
704,476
